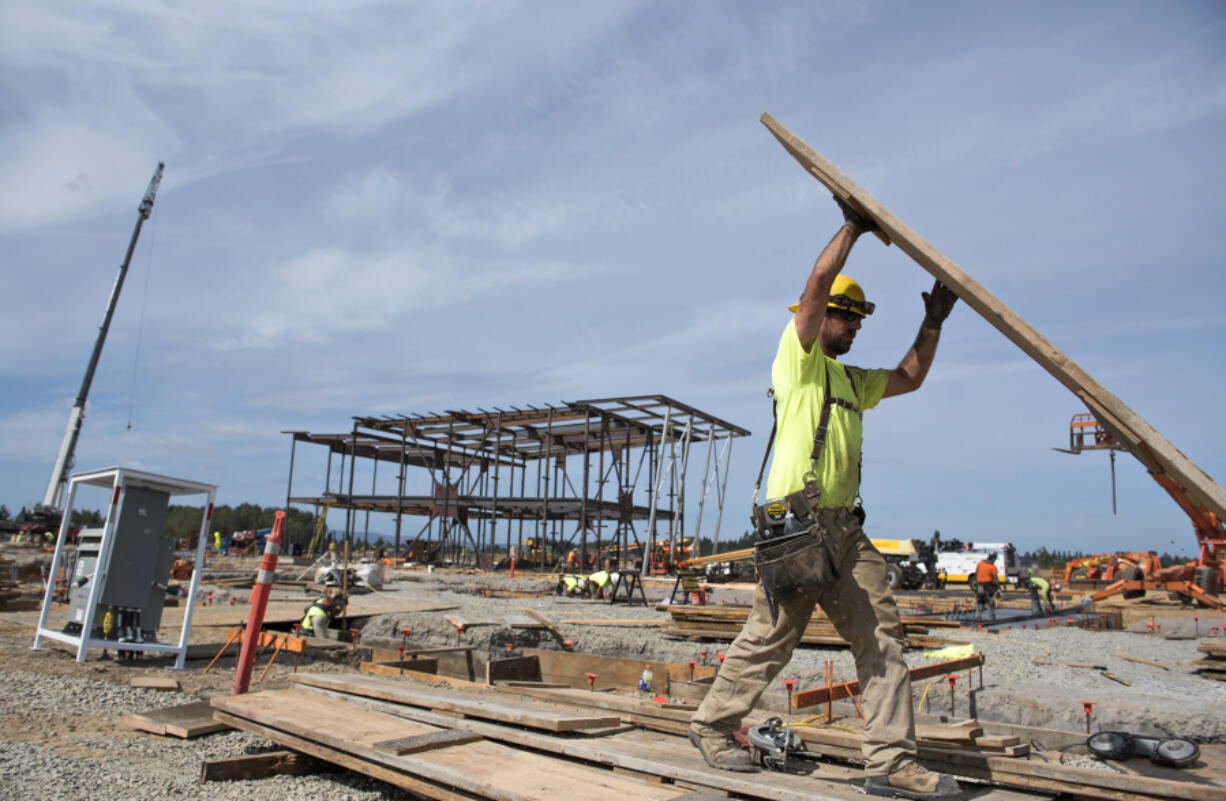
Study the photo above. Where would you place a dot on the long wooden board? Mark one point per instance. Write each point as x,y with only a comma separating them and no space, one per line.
536,716
1142,440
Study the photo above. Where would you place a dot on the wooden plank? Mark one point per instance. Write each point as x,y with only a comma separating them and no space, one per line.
820,695
488,769
392,776
163,683
566,667
186,721
610,621
1024,772
426,742
1153,450
540,619
516,668
399,668
502,709
259,766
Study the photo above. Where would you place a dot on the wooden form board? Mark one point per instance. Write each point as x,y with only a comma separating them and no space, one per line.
566,667
478,768
1142,440
820,695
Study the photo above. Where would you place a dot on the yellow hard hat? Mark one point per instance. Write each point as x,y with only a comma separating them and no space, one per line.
846,294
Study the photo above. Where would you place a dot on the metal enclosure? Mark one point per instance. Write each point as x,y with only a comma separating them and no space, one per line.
141,556
122,569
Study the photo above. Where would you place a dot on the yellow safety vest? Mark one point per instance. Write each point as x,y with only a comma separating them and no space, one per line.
316,610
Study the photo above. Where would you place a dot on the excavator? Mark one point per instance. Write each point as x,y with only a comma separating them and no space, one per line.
1201,579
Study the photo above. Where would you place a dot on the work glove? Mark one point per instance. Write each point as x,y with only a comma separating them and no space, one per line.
862,224
938,305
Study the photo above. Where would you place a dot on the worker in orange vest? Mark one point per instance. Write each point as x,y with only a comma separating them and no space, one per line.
986,585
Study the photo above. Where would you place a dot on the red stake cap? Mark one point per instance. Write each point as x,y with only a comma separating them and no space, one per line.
789,685
951,678
691,662
1087,706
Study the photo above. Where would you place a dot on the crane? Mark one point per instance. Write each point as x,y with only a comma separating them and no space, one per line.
49,510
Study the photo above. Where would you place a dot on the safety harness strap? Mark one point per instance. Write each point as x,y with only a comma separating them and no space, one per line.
819,436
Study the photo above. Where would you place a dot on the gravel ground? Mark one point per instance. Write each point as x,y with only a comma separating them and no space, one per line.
63,736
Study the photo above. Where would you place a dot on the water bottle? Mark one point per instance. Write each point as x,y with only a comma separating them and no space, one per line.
645,679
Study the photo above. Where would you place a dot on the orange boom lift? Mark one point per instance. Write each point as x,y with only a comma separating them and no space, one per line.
1201,579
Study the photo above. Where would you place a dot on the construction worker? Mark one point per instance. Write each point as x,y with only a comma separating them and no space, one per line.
1042,599
986,586
320,614
808,379
570,584
597,582
217,541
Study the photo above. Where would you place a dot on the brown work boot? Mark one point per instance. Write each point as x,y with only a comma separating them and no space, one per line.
913,780
722,752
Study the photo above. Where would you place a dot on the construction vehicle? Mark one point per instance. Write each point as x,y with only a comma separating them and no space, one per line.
912,564
1201,579
958,564
47,515
1110,567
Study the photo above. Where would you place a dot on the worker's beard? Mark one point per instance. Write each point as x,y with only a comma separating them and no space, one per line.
836,345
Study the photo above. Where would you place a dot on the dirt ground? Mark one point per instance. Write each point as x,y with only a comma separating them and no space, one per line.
66,718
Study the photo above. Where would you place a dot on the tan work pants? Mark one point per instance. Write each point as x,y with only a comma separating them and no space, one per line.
863,611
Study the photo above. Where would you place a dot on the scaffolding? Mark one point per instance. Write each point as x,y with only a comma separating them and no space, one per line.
595,479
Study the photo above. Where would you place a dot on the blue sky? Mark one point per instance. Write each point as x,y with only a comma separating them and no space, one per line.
382,208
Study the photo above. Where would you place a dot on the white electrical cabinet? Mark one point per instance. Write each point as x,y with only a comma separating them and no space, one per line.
117,587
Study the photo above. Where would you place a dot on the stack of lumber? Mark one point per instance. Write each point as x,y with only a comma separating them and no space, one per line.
10,596
725,622
1213,664
468,741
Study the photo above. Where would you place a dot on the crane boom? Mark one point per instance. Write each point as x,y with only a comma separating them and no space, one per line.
53,499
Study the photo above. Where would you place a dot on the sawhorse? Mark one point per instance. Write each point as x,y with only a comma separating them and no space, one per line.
631,582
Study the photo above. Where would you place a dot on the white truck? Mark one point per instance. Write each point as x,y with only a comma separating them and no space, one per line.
959,566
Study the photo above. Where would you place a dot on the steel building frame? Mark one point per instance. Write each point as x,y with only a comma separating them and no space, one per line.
557,476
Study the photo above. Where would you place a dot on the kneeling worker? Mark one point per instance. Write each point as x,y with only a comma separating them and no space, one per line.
820,403
570,584
320,614
1042,599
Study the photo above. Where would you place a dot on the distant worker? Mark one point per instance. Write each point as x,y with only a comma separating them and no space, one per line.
571,585
1042,597
986,587
217,541
814,478
597,582
320,614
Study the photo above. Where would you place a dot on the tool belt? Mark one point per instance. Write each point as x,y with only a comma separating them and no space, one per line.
792,549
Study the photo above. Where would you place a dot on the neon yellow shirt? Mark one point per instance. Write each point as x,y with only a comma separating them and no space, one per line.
799,379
